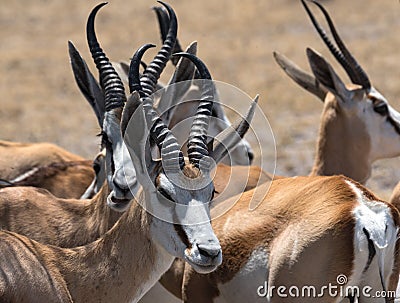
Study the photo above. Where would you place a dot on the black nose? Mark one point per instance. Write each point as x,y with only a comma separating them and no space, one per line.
123,189
211,251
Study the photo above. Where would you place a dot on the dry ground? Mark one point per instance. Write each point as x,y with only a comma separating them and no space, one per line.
40,101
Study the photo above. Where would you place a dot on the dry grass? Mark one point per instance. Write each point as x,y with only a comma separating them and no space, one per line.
40,101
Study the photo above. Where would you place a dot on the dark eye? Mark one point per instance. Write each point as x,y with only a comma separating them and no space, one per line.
381,108
96,167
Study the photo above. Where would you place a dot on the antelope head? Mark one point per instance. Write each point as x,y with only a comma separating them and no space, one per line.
107,101
366,120
382,122
178,192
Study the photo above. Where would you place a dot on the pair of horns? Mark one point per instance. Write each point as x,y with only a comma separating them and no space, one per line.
115,92
342,55
197,143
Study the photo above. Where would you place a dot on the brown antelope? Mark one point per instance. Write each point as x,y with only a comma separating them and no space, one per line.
351,114
45,165
129,258
69,223
56,270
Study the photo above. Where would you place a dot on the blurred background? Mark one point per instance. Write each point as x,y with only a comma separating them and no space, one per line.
41,102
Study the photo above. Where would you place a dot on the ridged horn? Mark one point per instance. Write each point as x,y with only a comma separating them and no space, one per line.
356,67
154,69
134,75
159,132
163,22
342,55
109,80
197,142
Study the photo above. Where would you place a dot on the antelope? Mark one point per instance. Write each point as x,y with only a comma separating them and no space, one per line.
173,110
342,113
69,223
203,253
357,126
129,258
44,165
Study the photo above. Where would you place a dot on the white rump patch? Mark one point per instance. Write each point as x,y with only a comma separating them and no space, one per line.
374,217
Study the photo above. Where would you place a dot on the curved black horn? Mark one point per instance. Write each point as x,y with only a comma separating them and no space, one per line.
343,56
109,80
159,132
197,143
134,75
154,69
163,22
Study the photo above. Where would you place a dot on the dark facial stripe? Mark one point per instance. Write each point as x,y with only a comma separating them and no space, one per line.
182,235
394,124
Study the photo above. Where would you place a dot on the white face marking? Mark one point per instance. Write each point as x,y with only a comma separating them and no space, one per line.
121,174
182,225
385,140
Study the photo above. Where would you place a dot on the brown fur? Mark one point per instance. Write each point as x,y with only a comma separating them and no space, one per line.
343,144
62,179
36,213
395,197
111,269
54,171
285,217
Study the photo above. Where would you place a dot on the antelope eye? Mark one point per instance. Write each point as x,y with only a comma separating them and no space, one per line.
96,167
381,108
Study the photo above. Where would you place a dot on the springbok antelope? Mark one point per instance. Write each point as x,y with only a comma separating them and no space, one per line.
245,177
343,123
358,126
306,232
69,223
128,259
44,165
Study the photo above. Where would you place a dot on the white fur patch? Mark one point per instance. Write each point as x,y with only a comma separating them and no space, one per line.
25,175
375,217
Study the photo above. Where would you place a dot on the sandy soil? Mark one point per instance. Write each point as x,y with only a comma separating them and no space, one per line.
40,101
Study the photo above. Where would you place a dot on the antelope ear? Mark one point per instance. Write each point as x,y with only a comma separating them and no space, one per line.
325,74
136,137
174,92
232,135
87,83
122,70
301,77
